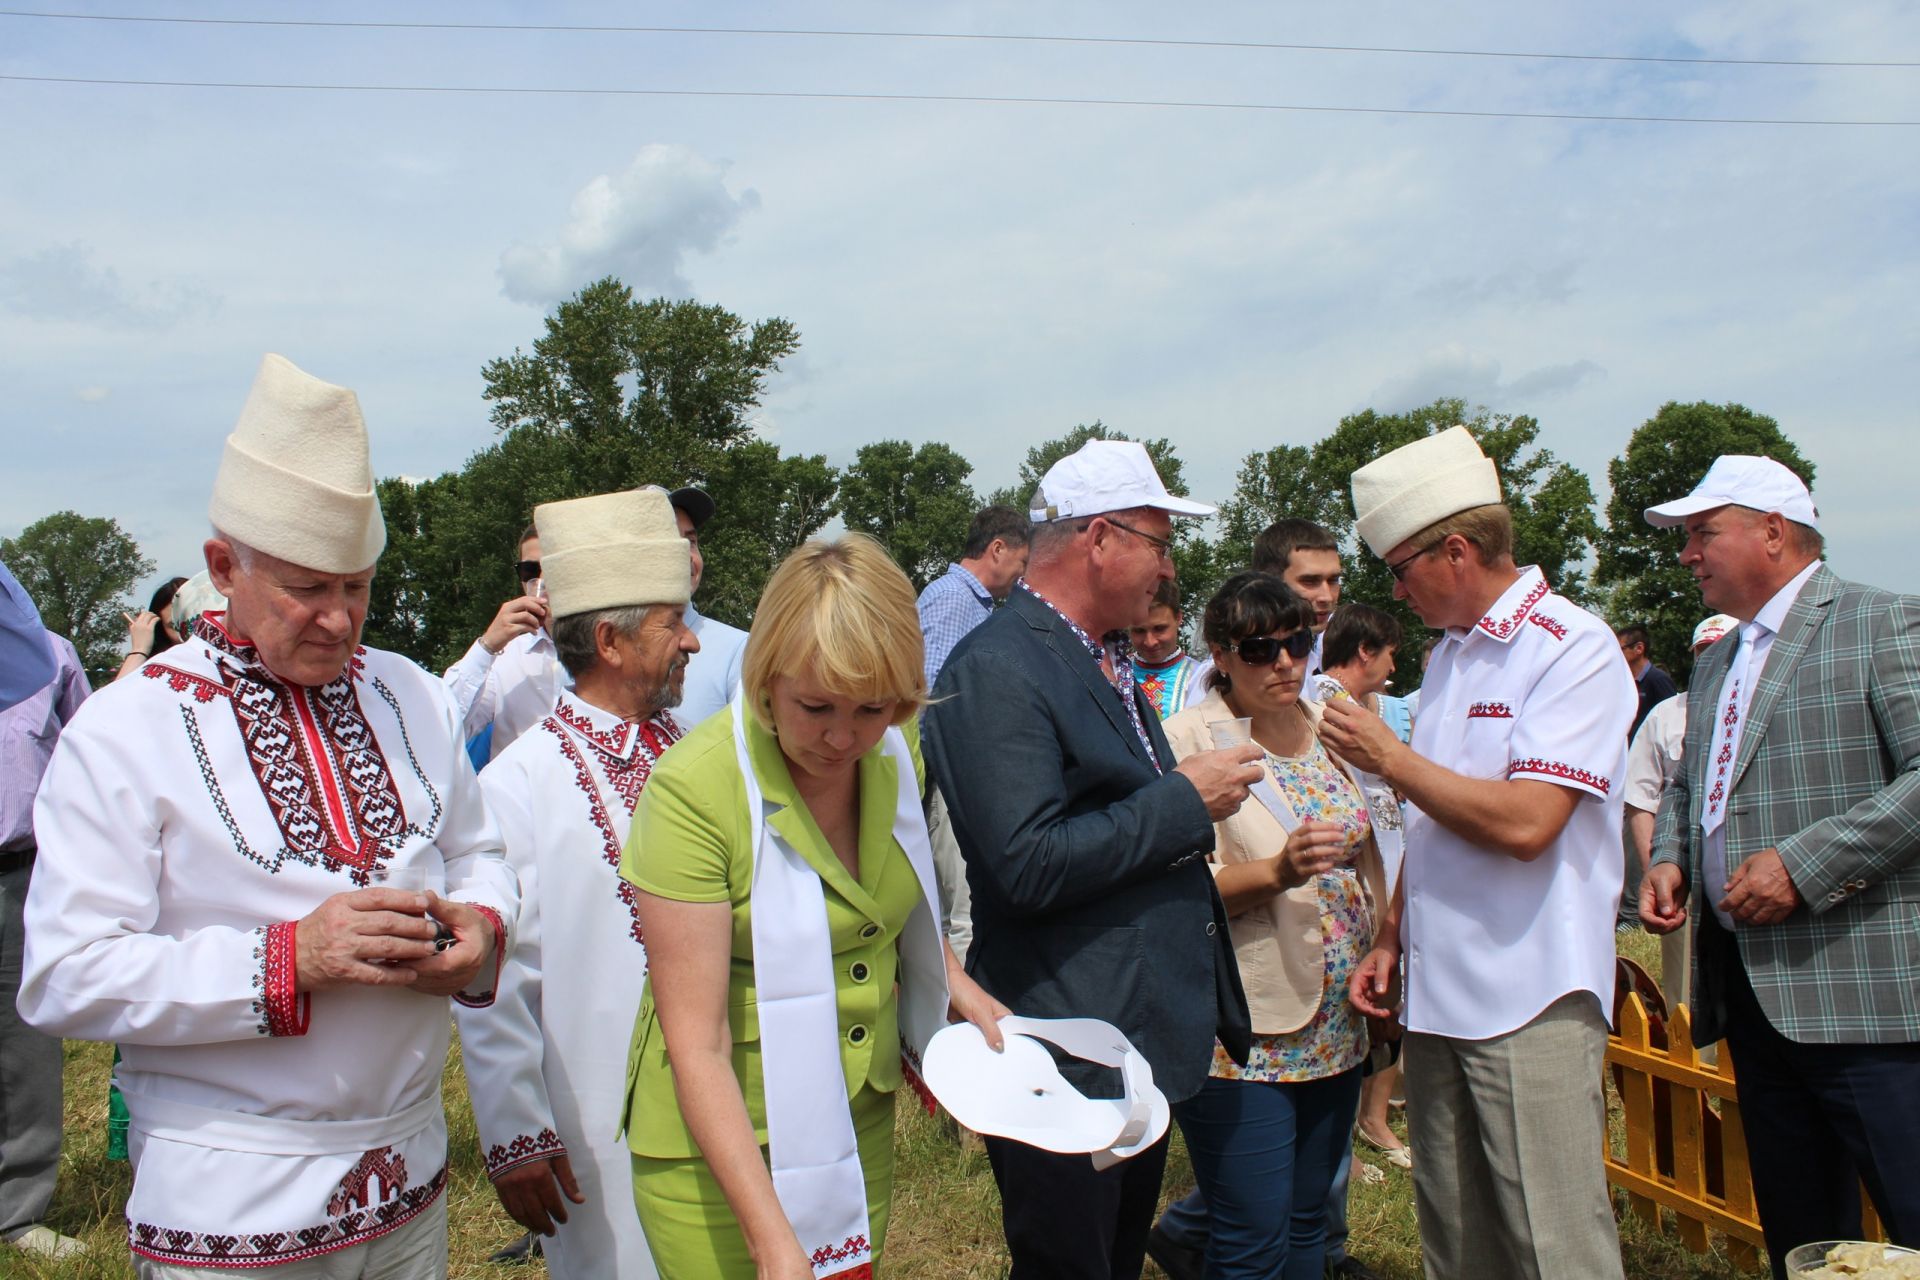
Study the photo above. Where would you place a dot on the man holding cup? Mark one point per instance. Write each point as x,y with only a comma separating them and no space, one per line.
210,832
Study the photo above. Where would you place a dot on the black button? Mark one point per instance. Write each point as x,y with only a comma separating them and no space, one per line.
869,930
859,971
857,1035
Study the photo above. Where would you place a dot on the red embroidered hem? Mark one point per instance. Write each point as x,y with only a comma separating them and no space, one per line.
1555,769
524,1149
180,1248
285,1011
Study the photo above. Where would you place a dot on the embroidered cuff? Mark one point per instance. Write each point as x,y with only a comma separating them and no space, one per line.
1563,773
282,1010
524,1149
481,999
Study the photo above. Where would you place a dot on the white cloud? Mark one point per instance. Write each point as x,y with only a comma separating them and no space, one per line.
92,395
638,225
1453,370
62,282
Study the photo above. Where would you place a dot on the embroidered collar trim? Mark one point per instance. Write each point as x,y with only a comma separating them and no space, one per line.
607,733
1530,588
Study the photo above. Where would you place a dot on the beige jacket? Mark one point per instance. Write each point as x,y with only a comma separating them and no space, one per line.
1283,962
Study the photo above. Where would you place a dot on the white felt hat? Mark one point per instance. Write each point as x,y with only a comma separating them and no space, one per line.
295,480
613,550
1741,480
1102,476
1421,484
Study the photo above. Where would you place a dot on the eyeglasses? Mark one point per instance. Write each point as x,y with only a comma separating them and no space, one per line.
1163,545
1398,568
528,570
1263,651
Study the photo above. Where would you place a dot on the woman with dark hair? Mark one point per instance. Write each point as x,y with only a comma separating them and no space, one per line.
1300,874
151,630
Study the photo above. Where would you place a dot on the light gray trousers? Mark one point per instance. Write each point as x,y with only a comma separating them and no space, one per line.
30,1065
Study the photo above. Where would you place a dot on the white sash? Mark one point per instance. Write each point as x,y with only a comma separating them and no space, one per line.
813,1150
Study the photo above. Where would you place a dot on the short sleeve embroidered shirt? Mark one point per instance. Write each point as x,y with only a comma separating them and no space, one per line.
1536,690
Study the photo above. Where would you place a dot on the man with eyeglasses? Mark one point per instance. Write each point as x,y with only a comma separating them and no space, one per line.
511,676
1504,915
1085,843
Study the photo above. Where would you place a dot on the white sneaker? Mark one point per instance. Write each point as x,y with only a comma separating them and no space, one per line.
47,1243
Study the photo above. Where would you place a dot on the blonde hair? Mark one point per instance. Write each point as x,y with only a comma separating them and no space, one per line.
1489,528
845,609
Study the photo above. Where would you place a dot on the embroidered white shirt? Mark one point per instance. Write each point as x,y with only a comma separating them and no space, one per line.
1537,690
513,692
547,1062
190,817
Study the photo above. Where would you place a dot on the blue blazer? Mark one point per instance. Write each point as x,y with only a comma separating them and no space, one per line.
1091,897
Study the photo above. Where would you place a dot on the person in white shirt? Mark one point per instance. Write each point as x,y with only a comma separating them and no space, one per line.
713,674
264,865
1505,909
546,1064
1653,760
508,678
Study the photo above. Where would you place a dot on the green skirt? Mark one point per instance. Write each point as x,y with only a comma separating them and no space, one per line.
691,1229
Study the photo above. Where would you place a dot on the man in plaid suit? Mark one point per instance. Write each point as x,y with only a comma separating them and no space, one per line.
1797,810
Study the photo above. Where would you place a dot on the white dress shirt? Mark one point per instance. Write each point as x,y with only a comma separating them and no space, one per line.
1653,760
1756,636
513,691
1536,690
713,674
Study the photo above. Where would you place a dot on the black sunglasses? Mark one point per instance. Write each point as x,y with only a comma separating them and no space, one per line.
1261,651
528,570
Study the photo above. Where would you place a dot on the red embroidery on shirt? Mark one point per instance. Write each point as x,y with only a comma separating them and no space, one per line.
485,998
283,1010
273,1248
1490,711
1557,769
1504,629
524,1149
627,757
1552,626
385,1166
203,689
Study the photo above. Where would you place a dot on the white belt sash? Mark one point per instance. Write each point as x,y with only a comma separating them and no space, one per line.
812,1148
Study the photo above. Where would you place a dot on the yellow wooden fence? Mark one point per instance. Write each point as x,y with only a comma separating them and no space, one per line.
1685,1149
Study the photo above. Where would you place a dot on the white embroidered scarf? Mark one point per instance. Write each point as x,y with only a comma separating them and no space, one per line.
811,1143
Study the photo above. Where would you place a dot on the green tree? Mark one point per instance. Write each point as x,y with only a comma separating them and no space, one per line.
1276,484
79,571
616,393
917,502
1664,459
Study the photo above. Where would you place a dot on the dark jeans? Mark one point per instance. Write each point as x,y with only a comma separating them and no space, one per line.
1819,1119
1066,1221
1265,1156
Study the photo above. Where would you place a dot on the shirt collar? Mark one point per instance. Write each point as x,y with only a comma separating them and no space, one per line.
606,731
1773,614
973,584
1502,622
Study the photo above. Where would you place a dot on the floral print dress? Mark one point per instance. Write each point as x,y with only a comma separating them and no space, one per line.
1335,1040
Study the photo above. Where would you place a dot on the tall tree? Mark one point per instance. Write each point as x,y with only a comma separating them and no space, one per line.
79,571
616,393
1665,458
917,502
1276,484
768,504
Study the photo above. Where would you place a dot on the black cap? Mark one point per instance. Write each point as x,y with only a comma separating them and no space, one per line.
695,502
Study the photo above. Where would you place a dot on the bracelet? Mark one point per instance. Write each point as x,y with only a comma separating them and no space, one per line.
136,653
491,651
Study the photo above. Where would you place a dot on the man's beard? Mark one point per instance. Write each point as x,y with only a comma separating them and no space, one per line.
670,690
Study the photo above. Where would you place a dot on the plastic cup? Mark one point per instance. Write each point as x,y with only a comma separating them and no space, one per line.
1232,733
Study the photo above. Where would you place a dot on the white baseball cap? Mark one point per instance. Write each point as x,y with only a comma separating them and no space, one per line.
1741,480
1103,476
1713,628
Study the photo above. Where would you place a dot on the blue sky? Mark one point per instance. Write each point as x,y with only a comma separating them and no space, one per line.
982,274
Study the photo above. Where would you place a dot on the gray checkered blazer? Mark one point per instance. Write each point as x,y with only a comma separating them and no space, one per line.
1829,774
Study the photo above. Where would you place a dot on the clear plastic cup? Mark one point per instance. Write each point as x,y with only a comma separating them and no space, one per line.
1232,733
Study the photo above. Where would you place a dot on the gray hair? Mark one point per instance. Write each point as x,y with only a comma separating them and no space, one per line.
573,635
242,553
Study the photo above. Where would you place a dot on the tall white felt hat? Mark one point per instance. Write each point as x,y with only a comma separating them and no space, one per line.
1420,484
613,550
295,479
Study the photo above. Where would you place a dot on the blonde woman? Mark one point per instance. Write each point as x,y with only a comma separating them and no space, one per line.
805,797
1300,874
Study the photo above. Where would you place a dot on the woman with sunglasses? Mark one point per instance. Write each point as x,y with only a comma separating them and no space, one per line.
1300,874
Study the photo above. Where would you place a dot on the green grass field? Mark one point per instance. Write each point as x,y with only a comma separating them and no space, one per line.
946,1219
